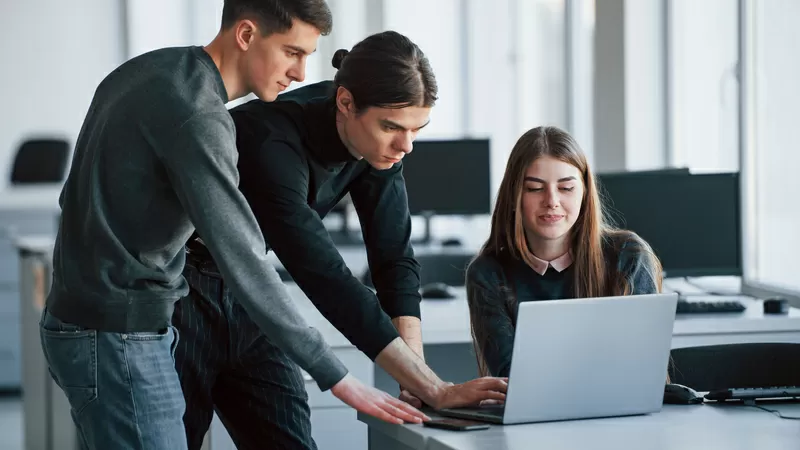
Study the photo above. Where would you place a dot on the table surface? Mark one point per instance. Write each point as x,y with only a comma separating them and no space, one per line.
706,426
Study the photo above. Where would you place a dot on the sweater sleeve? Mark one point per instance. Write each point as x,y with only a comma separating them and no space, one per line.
201,165
492,325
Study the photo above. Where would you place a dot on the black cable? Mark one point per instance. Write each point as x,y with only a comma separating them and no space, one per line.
752,403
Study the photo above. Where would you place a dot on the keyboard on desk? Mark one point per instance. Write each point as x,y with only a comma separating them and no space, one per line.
704,307
755,393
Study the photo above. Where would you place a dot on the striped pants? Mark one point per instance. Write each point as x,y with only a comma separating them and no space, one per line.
227,365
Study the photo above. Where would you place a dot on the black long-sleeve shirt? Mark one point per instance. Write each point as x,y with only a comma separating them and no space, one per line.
294,169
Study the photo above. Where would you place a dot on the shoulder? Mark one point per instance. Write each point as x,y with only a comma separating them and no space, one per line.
628,249
258,121
485,269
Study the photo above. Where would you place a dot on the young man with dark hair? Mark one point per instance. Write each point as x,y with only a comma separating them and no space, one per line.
155,161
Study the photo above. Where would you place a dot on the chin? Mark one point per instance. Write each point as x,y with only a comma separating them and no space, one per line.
383,165
551,235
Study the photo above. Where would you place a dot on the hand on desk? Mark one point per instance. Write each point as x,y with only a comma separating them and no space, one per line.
374,402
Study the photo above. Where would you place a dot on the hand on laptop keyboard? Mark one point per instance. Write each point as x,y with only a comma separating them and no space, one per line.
472,393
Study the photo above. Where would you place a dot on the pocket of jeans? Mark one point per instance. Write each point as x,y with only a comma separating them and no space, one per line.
72,361
148,335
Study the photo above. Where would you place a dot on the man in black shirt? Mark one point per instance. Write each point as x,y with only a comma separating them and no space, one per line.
298,157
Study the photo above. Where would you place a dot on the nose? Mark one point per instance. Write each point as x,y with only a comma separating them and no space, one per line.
298,71
405,142
551,199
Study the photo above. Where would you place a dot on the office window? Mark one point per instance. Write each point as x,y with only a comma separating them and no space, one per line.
703,88
436,27
541,76
774,150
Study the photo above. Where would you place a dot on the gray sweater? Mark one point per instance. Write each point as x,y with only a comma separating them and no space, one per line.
155,160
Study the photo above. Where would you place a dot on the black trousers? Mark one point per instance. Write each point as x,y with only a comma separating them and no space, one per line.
227,365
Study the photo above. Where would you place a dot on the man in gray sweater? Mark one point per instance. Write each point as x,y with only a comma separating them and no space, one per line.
156,160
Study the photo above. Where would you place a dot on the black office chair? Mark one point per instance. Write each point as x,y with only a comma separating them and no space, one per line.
448,268
717,367
40,161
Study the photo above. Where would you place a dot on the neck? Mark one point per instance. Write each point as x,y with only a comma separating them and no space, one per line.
225,57
340,119
547,249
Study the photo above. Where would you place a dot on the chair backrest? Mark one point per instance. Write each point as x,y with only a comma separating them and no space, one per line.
449,268
717,367
40,161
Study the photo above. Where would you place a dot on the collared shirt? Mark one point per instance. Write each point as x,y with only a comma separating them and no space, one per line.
560,264
495,284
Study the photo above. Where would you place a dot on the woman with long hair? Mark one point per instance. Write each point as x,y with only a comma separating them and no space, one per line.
549,240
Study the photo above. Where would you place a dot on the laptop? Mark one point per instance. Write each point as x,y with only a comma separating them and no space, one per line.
585,358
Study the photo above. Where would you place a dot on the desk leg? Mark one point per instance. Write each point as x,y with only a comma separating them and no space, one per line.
380,441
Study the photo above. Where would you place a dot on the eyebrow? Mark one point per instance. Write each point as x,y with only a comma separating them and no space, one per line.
397,125
539,180
299,49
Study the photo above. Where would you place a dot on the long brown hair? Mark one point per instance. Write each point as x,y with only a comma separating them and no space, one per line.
506,242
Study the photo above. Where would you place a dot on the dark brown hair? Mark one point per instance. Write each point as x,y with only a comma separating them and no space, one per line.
275,16
386,70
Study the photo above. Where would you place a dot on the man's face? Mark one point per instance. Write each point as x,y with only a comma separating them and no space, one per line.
382,136
271,63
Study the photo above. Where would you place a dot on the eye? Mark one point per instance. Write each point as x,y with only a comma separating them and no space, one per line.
533,189
292,54
568,189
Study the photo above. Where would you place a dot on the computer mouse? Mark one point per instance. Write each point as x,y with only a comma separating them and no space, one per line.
776,305
451,242
678,394
436,291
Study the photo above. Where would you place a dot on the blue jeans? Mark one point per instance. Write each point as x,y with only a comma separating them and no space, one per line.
123,389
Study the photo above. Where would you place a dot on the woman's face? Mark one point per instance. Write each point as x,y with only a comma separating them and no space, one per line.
552,194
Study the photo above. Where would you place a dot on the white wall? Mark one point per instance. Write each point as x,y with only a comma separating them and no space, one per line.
55,54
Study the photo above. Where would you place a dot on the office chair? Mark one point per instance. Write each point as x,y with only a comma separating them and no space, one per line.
718,367
40,161
447,268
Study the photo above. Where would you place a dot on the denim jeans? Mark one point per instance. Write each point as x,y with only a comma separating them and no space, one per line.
123,389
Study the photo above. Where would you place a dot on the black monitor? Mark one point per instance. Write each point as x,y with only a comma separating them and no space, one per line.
448,177
691,220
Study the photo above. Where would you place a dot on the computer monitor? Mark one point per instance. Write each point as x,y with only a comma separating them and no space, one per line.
691,220
448,177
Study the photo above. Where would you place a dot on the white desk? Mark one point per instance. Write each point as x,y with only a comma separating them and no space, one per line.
448,349
676,427
447,322
23,210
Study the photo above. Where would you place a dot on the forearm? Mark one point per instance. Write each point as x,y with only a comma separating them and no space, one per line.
410,371
410,329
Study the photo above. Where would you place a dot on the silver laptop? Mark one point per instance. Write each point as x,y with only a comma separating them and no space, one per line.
585,358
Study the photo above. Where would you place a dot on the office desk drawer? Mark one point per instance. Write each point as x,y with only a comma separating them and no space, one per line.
359,366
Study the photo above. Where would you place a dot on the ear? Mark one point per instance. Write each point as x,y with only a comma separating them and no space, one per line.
344,101
245,33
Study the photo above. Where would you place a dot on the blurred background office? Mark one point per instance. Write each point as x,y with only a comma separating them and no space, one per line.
691,105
